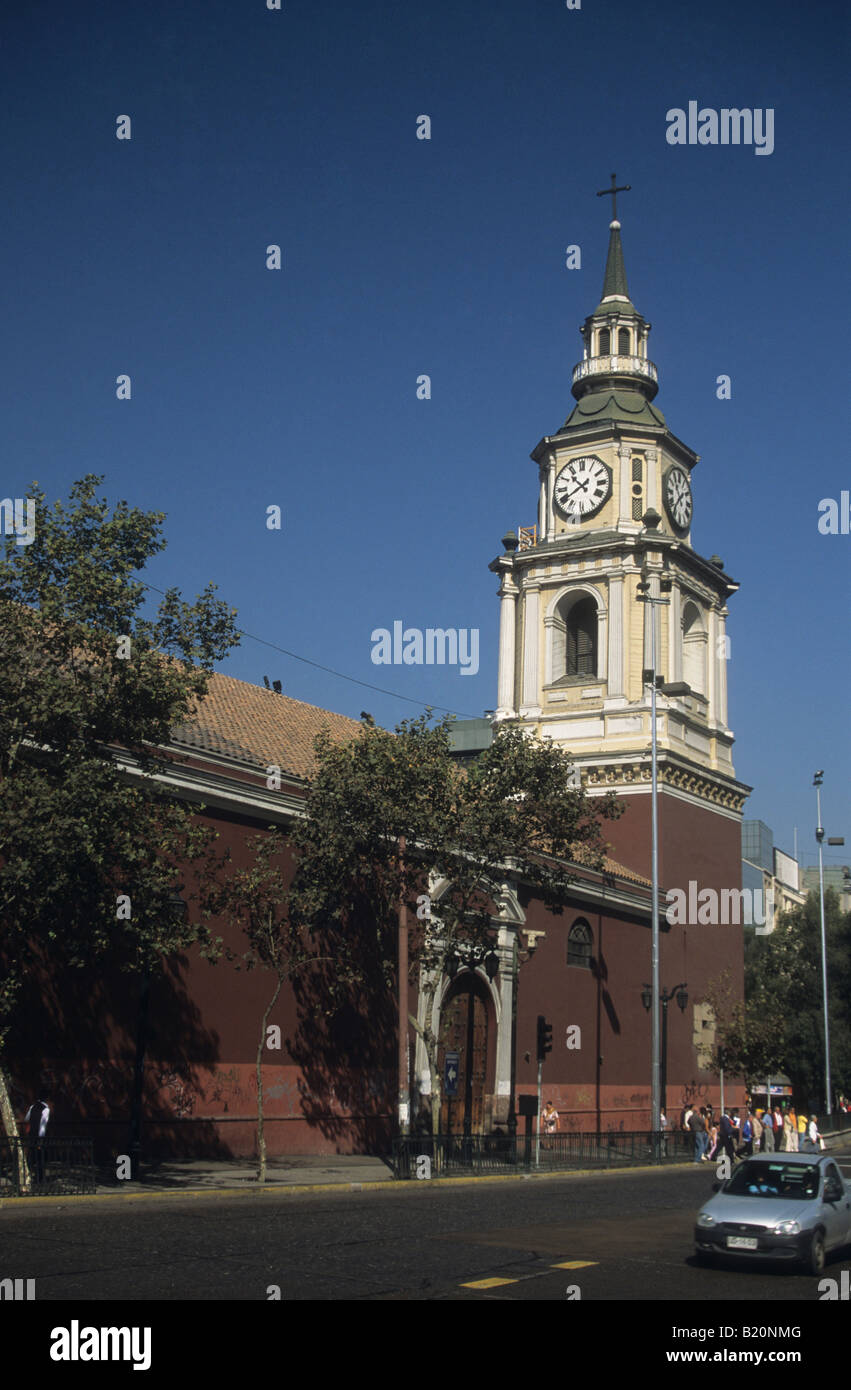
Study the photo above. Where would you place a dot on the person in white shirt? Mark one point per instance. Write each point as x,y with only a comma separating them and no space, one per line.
37,1117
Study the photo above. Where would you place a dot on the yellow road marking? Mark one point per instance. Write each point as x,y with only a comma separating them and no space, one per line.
487,1283
576,1264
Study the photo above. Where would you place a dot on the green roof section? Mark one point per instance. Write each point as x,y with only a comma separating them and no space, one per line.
630,406
614,281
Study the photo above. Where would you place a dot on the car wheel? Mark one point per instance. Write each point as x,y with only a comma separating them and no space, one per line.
815,1258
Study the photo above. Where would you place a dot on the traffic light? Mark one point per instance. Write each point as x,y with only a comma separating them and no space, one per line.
545,1037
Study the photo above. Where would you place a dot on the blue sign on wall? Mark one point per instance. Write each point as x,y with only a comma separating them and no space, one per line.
450,1073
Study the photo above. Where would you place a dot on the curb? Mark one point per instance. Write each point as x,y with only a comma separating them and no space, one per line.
283,1190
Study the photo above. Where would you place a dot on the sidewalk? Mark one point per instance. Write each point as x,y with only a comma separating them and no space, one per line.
308,1170
295,1172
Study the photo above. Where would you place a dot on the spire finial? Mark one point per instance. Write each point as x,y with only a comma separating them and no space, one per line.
613,192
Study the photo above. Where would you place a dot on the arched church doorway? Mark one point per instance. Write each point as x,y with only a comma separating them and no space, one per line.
464,1030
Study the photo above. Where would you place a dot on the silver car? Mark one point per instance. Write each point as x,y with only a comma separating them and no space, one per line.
780,1206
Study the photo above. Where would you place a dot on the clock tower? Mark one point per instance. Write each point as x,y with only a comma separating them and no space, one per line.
615,512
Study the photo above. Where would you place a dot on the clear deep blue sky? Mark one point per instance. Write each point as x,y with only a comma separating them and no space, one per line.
400,257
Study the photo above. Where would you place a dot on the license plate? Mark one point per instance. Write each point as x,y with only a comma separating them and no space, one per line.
742,1243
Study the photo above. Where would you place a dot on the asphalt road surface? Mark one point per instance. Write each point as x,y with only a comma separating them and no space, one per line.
615,1235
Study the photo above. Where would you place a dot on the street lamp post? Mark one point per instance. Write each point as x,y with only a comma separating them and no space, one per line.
679,993
839,840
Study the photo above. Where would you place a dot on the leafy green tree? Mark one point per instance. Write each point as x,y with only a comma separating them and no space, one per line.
787,976
779,1026
89,687
393,818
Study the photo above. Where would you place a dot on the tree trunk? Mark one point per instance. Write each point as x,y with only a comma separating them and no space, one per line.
261,1134
430,1043
10,1125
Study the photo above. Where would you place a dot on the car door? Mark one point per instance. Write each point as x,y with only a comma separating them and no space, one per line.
836,1208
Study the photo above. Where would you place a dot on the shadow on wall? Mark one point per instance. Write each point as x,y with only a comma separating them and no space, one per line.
347,1061
74,1036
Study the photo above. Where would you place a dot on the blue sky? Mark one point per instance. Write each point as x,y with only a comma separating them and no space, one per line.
297,388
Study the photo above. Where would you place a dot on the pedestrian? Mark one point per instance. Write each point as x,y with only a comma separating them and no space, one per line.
788,1131
663,1123
686,1116
757,1131
726,1135
768,1130
704,1113
778,1126
793,1130
713,1138
549,1120
697,1125
802,1129
813,1134
38,1118
747,1137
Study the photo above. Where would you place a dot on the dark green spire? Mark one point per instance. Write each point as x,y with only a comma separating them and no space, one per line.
614,281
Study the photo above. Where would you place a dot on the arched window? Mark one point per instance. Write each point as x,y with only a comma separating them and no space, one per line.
623,342
574,639
581,639
694,648
605,342
579,942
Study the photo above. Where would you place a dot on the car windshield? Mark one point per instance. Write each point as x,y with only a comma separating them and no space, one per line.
795,1181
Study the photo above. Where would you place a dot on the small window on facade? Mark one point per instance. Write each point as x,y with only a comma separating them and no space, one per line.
605,342
579,944
694,648
623,341
636,470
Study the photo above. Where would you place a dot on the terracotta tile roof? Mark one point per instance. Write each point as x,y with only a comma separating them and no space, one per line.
259,727
613,867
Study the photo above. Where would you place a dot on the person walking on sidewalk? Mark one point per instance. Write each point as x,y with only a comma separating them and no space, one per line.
727,1137
697,1125
38,1118
549,1120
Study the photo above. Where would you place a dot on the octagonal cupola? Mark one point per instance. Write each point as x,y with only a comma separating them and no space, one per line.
615,336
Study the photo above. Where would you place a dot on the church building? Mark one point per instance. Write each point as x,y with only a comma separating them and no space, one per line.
577,642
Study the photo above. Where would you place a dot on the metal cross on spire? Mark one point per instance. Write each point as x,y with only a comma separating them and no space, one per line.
613,192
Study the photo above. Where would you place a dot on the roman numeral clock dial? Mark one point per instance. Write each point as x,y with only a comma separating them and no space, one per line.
582,486
677,494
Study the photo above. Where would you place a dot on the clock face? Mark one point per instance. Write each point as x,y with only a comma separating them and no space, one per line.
678,497
582,486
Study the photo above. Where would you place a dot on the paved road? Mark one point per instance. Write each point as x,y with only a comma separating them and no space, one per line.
616,1235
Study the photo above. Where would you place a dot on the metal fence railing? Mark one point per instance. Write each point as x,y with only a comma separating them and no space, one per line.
442,1154
46,1167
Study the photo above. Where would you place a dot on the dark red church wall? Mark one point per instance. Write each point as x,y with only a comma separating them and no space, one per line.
329,1088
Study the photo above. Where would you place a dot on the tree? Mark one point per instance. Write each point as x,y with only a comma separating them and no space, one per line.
89,687
779,1027
393,818
255,901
